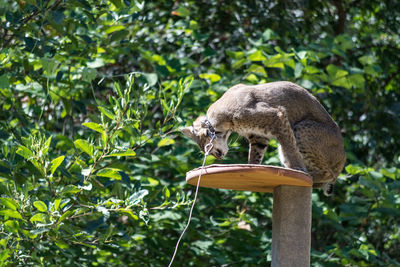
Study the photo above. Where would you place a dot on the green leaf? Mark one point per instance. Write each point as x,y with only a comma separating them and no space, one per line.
57,204
275,62
94,126
357,80
65,215
137,196
114,29
257,69
5,254
335,73
252,78
89,74
11,226
181,11
57,16
165,142
40,205
70,189
257,56
24,152
11,213
46,146
128,153
129,213
49,65
28,234
55,163
38,217
118,35
61,244
151,78
9,203
110,173
106,112
235,54
167,194
210,76
4,84
84,146
239,63
298,69
269,34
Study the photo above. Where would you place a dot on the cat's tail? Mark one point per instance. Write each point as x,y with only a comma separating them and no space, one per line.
329,186
328,189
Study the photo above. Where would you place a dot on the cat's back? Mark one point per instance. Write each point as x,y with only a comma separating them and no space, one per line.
298,102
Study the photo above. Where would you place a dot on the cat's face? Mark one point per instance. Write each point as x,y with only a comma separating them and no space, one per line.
199,132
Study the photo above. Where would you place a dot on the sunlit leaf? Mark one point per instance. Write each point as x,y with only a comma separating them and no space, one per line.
38,217
11,226
49,65
70,189
61,244
128,153
181,11
165,142
110,173
24,152
257,56
46,146
10,213
114,29
57,203
40,205
94,126
9,203
84,146
106,112
136,197
210,76
55,163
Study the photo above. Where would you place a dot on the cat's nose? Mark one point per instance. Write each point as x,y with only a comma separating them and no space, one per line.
219,154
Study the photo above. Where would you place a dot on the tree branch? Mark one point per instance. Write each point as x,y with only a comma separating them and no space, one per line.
340,24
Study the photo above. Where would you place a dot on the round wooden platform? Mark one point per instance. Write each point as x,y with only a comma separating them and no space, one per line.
247,177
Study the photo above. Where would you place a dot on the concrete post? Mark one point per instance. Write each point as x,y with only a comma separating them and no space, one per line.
291,226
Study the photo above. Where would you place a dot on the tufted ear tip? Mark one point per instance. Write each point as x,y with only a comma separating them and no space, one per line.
202,120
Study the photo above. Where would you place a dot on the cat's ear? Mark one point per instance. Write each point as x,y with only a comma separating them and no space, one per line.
202,120
188,131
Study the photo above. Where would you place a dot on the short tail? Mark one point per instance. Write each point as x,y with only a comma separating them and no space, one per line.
328,189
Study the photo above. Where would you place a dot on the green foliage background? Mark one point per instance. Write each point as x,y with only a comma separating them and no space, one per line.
92,96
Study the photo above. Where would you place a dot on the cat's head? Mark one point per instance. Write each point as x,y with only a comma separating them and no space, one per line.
201,133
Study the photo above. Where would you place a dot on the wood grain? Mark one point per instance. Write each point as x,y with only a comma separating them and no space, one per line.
247,177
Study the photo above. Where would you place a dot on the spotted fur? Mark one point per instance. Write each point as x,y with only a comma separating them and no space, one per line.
309,139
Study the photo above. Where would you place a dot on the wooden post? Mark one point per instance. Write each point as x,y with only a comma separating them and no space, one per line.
291,215
291,226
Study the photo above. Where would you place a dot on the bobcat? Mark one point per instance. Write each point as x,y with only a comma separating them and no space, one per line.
309,140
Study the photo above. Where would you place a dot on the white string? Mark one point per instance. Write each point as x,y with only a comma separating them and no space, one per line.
207,150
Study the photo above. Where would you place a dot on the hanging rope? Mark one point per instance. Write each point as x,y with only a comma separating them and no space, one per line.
207,150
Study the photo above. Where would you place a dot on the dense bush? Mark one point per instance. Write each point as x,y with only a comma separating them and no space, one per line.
92,96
